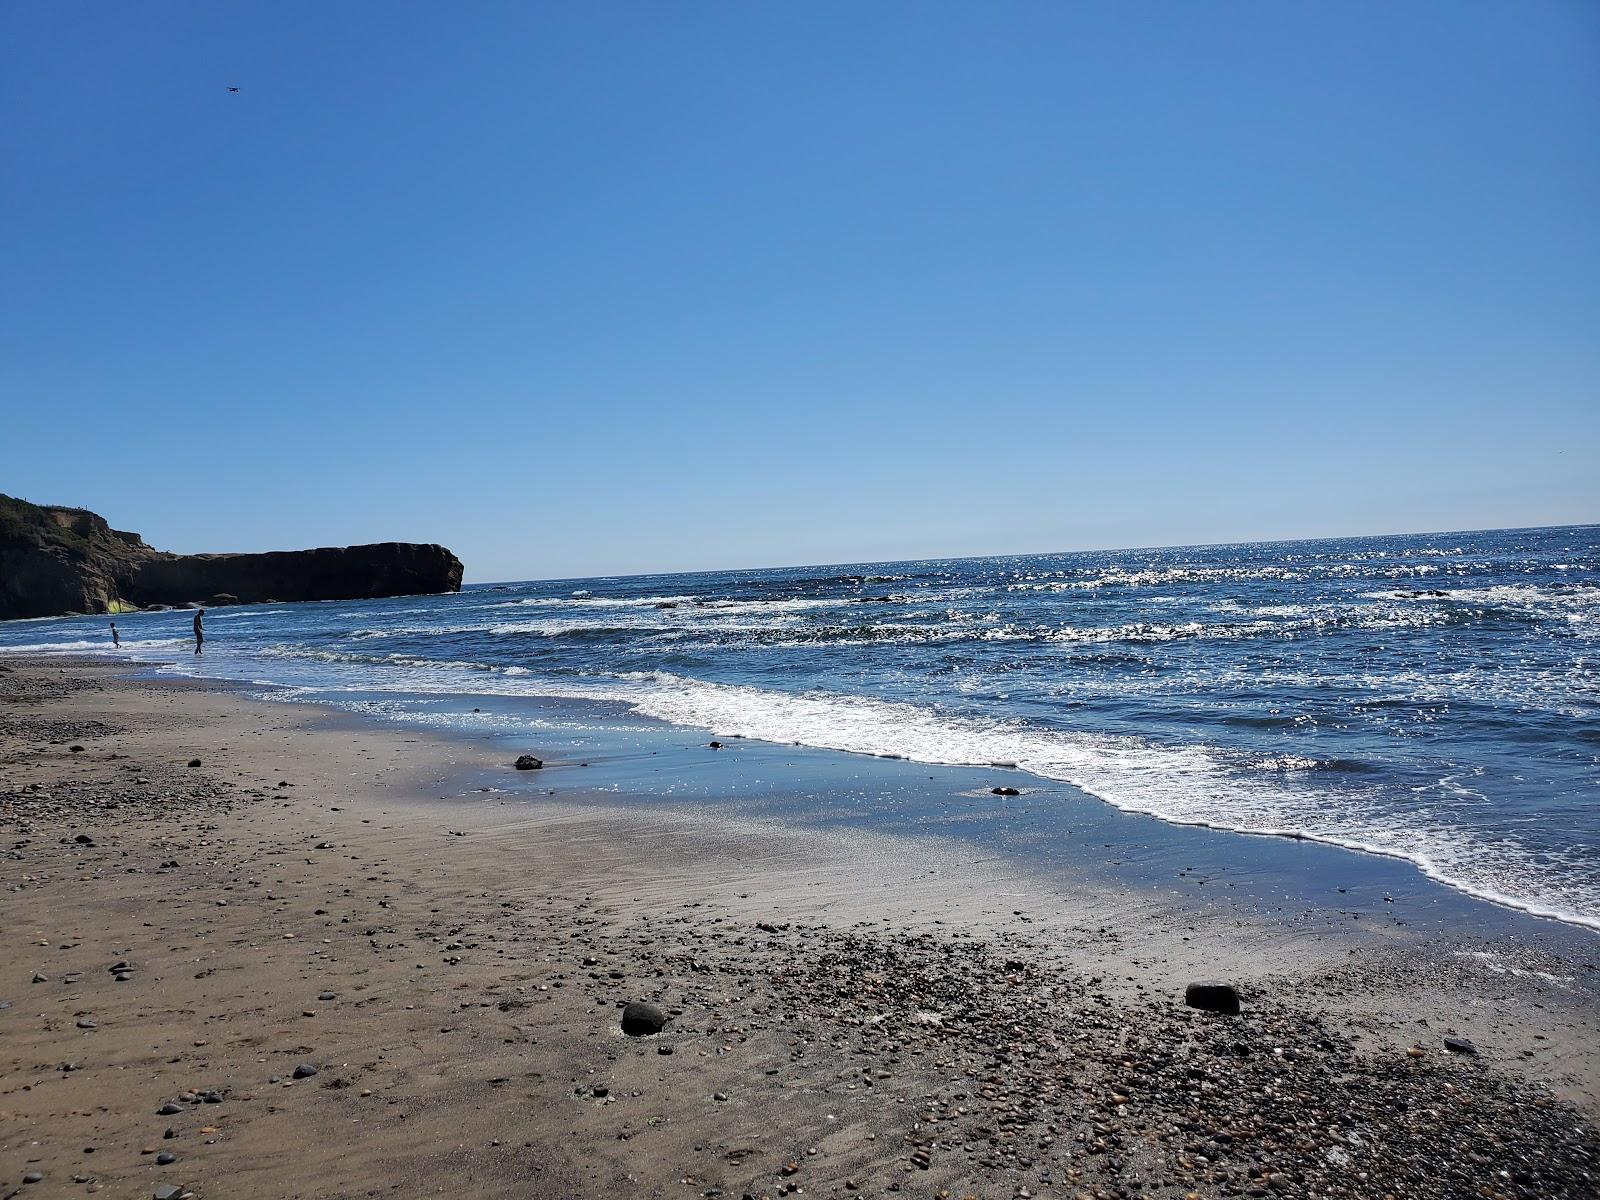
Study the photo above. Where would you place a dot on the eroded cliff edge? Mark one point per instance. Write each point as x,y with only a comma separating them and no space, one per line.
57,560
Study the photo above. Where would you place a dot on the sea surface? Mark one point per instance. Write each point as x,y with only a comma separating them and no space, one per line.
1429,697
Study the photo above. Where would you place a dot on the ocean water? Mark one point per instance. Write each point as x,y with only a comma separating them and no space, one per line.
1434,697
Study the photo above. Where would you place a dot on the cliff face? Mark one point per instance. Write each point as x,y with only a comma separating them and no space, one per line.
60,560
331,573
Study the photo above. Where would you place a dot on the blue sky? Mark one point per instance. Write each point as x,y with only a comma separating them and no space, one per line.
609,288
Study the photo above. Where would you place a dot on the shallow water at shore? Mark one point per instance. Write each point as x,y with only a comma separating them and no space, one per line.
603,755
1431,698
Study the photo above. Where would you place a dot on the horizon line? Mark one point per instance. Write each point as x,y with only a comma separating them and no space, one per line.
957,558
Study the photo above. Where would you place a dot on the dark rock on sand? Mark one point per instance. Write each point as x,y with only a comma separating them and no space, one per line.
1004,791
640,1018
527,762
305,1071
1458,1045
1212,996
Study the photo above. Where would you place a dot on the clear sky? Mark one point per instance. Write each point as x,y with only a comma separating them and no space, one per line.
603,288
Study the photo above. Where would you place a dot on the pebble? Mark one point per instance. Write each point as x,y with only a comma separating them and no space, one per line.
641,1018
1210,995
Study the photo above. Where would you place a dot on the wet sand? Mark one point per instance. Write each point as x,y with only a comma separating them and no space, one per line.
850,1012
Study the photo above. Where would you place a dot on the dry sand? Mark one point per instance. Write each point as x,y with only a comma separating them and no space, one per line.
849,1015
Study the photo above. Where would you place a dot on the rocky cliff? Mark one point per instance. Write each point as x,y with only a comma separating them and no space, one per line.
61,560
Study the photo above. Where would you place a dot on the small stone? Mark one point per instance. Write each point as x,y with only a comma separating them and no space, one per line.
169,1109
83,839
1212,996
33,1177
1004,791
1458,1045
640,1018
719,1095
165,1158
305,1071
194,762
167,1191
527,762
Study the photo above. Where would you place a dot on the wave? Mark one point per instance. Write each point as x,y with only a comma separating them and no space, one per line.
584,600
1180,784
1189,785
91,645
1566,597
779,626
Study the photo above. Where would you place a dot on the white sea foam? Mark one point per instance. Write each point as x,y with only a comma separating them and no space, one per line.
98,644
1183,784
584,600
1189,785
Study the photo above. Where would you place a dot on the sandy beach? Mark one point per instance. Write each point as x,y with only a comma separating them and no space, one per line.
257,949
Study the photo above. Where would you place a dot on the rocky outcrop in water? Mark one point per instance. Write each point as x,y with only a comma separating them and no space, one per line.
64,560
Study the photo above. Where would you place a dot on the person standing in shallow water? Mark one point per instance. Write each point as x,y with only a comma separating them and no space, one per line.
199,630
115,640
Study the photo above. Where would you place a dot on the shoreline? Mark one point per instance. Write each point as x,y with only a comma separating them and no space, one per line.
532,705
803,964
1371,882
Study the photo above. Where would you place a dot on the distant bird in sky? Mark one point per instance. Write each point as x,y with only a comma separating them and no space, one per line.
233,89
